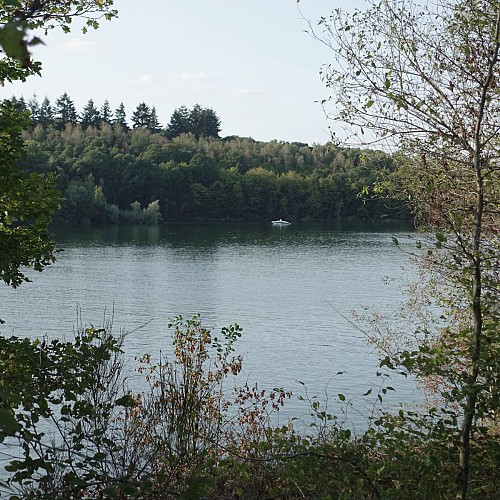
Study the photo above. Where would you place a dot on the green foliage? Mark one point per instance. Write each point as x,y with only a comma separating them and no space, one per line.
191,434
45,115
27,202
82,432
149,215
120,117
145,118
65,112
105,112
179,123
18,18
90,116
13,43
70,387
141,116
201,122
423,77
208,178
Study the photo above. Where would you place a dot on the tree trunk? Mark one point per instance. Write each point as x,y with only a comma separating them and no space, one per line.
477,309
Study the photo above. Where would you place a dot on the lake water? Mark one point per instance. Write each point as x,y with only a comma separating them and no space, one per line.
289,288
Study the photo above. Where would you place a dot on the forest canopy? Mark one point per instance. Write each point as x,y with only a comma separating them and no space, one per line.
107,172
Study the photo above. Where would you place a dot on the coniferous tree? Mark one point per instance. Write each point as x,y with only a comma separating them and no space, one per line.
141,117
196,120
18,102
65,111
154,124
22,103
34,107
179,123
46,113
204,122
90,116
121,117
106,113
210,125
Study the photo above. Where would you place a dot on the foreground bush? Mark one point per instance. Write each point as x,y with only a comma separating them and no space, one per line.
75,430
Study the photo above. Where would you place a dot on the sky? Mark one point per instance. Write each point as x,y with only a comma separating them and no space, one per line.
249,61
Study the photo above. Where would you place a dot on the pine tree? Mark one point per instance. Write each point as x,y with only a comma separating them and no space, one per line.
204,122
46,113
19,103
106,113
34,107
154,124
141,117
65,111
179,123
196,120
90,116
210,123
121,117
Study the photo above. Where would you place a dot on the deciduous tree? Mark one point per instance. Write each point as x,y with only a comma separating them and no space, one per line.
19,18
27,202
423,77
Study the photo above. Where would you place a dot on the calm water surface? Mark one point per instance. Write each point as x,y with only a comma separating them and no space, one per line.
288,287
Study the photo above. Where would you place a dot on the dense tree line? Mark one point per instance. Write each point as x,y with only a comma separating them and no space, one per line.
102,170
201,122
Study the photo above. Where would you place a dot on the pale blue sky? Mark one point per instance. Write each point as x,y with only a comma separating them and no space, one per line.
250,61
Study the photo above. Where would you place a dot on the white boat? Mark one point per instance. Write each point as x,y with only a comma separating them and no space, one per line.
280,222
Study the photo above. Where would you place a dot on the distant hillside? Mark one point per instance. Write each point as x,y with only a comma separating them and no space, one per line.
109,174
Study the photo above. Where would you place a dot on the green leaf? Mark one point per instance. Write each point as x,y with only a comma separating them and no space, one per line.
8,422
126,400
13,42
387,362
440,237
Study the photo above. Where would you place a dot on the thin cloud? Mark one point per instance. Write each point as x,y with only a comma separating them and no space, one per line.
194,81
194,77
246,91
144,79
79,46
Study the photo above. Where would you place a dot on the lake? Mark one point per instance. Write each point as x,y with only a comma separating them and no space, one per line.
291,289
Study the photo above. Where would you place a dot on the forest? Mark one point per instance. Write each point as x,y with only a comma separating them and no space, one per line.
109,173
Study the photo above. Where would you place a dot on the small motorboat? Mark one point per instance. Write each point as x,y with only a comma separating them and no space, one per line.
280,222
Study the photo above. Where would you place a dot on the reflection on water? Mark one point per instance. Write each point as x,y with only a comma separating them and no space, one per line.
290,288
206,235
